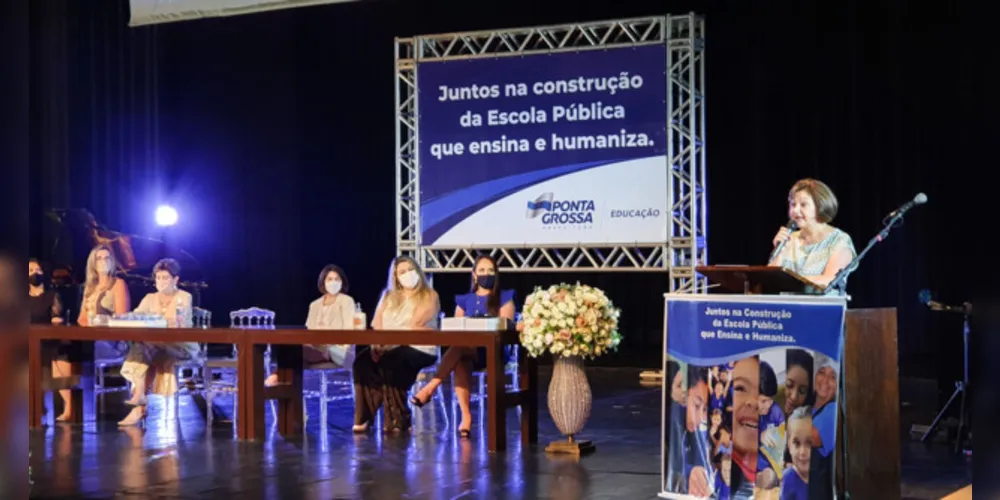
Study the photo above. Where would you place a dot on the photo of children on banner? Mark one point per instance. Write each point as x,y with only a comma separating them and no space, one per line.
690,468
674,411
797,425
703,464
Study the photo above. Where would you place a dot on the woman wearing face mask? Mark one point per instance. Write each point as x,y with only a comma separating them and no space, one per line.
816,250
43,301
103,293
46,309
334,310
485,299
383,374
151,365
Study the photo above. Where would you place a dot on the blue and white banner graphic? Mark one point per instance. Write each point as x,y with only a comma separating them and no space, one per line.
750,396
558,148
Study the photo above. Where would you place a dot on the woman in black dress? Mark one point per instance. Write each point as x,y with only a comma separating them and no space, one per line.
43,302
46,309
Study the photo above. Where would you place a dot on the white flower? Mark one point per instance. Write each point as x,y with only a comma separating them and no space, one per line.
556,309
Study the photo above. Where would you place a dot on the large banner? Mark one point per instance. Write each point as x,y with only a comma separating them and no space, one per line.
750,396
556,148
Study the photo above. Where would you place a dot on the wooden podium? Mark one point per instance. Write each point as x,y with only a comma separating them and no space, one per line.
868,459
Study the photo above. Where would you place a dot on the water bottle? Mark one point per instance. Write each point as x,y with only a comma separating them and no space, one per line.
360,321
179,314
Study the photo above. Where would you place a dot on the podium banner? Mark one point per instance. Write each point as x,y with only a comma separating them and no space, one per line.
750,396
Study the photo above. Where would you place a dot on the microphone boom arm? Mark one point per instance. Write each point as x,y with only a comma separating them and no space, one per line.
839,281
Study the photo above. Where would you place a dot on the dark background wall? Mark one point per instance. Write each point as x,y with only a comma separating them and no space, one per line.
273,135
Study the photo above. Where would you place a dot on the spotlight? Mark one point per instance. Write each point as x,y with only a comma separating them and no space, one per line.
166,215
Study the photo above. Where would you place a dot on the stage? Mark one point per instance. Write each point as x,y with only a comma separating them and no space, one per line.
179,458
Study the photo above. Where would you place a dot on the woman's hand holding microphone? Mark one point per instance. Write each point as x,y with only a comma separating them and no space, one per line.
782,236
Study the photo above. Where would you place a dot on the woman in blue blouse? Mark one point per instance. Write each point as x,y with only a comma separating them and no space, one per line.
485,299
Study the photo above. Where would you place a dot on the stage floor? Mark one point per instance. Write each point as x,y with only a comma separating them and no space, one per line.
177,456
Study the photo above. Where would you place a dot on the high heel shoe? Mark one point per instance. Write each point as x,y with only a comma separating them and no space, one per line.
415,401
464,433
360,428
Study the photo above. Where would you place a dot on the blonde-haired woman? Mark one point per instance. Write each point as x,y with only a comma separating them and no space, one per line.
103,292
151,365
383,374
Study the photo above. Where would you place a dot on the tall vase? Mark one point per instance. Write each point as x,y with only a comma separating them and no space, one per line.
569,404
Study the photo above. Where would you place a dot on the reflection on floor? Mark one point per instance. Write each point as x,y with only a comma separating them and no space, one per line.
176,455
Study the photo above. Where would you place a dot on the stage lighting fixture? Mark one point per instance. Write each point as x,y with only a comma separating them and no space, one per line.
166,215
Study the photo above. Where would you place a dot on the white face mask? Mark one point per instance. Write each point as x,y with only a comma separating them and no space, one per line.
103,267
333,287
163,286
409,279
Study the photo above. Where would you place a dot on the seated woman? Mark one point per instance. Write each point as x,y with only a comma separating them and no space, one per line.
485,299
383,374
150,365
46,309
103,293
334,310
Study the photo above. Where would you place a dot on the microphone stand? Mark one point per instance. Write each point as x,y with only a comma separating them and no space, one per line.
839,281
961,387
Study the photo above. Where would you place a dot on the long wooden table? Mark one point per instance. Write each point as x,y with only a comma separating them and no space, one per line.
39,334
252,393
290,414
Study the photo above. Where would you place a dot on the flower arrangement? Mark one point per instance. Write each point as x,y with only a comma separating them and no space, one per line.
569,320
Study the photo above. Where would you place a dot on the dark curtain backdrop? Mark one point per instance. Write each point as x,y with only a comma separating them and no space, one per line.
273,134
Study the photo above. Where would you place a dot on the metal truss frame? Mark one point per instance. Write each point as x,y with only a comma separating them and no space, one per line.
686,247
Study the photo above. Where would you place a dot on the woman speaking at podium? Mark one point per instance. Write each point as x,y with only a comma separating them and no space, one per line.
808,245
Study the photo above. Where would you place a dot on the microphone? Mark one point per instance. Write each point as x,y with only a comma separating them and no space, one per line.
927,300
792,226
919,199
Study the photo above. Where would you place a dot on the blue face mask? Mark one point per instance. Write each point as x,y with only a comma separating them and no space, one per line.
486,281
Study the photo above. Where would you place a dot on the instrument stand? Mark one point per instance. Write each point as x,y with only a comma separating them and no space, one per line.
961,392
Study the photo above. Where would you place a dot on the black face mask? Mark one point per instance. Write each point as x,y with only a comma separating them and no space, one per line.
486,281
36,279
